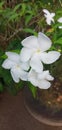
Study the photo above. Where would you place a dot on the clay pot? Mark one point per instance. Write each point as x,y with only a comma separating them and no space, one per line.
40,112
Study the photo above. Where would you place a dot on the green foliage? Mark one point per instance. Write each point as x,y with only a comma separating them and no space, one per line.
14,88
23,19
1,87
59,41
28,15
28,30
14,45
1,4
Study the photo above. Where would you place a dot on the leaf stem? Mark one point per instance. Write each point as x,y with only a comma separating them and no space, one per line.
60,3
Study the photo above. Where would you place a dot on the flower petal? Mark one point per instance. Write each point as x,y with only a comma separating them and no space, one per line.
48,21
50,57
46,11
24,75
52,14
25,65
32,77
30,42
49,77
25,54
49,16
60,20
13,56
36,64
60,27
7,64
45,75
44,42
44,84
14,76
15,72
41,83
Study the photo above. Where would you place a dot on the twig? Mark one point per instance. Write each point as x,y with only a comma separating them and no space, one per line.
15,33
35,19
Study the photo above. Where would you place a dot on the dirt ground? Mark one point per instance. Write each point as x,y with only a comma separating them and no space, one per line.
14,116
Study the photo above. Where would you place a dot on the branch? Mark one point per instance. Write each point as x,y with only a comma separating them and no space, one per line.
15,33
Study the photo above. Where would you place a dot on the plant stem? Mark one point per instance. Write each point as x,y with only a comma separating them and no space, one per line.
60,3
15,33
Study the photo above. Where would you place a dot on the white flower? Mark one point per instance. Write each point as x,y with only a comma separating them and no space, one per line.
40,80
34,51
60,21
49,16
17,68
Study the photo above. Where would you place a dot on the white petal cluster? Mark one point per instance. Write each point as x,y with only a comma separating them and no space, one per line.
40,80
49,16
17,68
34,50
28,65
60,21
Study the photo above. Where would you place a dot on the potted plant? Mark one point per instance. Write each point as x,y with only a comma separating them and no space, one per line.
39,63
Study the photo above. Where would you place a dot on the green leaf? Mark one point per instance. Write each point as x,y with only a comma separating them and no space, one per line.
13,17
28,30
16,7
14,45
28,18
33,89
5,74
14,88
57,25
19,85
3,56
59,41
1,4
23,8
11,89
1,87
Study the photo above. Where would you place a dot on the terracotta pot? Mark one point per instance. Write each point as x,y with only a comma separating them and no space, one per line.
40,111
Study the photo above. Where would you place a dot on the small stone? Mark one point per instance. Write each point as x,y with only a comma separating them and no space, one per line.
49,102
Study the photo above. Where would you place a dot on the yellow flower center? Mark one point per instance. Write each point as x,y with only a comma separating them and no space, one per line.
17,66
38,51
